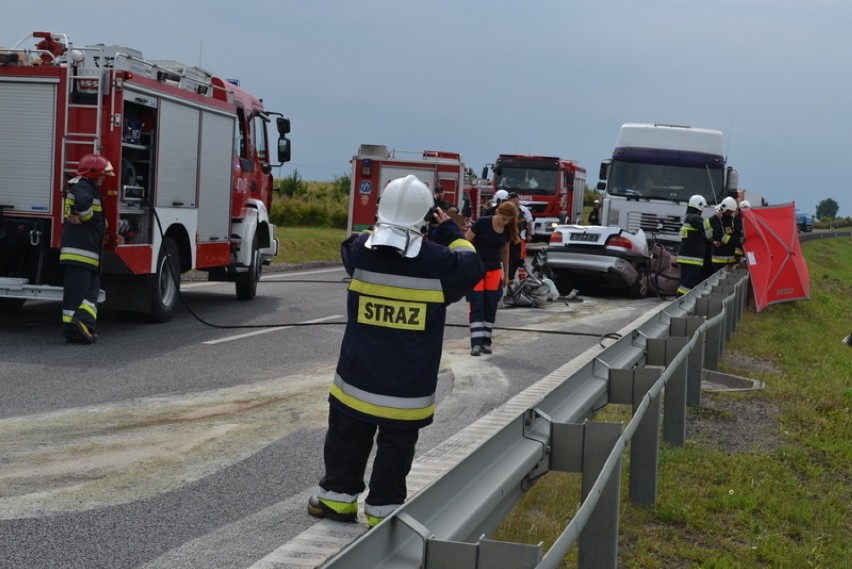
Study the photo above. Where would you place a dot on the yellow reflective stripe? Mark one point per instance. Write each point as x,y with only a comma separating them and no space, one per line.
399,413
391,313
461,243
79,259
87,306
683,260
89,213
383,400
79,255
397,286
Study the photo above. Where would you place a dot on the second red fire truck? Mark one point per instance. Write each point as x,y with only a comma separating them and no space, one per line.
376,165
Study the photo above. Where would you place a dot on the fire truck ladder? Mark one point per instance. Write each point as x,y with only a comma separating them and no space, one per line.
85,90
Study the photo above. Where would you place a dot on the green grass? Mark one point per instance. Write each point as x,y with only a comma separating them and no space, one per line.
788,506
308,244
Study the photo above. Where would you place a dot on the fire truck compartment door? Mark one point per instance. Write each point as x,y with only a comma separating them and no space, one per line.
214,192
425,175
177,155
27,142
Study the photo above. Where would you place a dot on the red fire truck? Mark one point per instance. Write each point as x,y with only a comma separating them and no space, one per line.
552,188
192,159
375,165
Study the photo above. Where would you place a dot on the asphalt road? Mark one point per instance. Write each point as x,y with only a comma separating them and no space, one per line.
191,444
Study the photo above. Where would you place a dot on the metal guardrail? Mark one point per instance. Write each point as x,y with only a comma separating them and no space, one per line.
824,234
445,523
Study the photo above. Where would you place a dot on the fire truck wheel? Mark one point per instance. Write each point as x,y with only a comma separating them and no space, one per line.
166,286
247,285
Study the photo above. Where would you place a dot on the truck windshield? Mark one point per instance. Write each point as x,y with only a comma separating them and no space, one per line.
664,182
533,181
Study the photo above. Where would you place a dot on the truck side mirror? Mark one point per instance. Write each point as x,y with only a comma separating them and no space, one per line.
603,174
284,148
484,172
601,185
283,124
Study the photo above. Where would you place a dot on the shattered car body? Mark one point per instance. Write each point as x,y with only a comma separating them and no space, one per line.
597,258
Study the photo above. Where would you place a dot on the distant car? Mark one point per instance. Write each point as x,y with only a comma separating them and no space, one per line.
804,221
594,258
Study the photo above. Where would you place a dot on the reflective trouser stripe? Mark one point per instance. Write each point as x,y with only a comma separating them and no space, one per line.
89,307
78,255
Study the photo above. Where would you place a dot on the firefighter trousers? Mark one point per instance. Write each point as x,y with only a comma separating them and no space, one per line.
690,277
79,298
348,443
483,300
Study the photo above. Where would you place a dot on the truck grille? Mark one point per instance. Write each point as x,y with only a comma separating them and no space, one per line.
650,221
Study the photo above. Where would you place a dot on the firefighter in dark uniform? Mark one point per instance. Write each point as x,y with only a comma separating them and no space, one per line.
739,229
693,245
387,372
724,235
595,214
82,237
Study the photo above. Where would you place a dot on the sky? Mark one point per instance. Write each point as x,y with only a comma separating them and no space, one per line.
481,78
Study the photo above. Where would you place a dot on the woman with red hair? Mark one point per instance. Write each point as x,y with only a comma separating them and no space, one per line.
490,236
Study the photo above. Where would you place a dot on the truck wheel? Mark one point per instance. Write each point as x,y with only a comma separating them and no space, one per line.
247,283
166,285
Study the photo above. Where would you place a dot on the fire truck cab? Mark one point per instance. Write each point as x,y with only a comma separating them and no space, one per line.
376,165
193,163
552,188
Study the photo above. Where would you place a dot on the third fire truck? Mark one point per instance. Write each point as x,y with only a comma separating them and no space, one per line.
193,168
552,188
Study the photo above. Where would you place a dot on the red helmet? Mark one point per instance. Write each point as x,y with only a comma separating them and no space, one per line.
93,165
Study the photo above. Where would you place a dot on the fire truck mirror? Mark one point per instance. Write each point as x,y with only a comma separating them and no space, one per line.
283,124
283,149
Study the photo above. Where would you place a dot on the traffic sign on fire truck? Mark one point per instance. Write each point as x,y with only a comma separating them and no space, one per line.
195,168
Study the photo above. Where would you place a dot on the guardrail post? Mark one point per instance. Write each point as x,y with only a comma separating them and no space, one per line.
599,539
695,363
662,351
631,386
708,307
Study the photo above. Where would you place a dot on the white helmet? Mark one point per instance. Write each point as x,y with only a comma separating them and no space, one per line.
744,205
697,201
405,210
727,204
500,196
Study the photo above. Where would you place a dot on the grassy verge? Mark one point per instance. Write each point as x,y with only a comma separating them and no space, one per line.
308,244
781,499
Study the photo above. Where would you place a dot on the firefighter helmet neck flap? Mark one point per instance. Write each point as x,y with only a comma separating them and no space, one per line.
405,210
